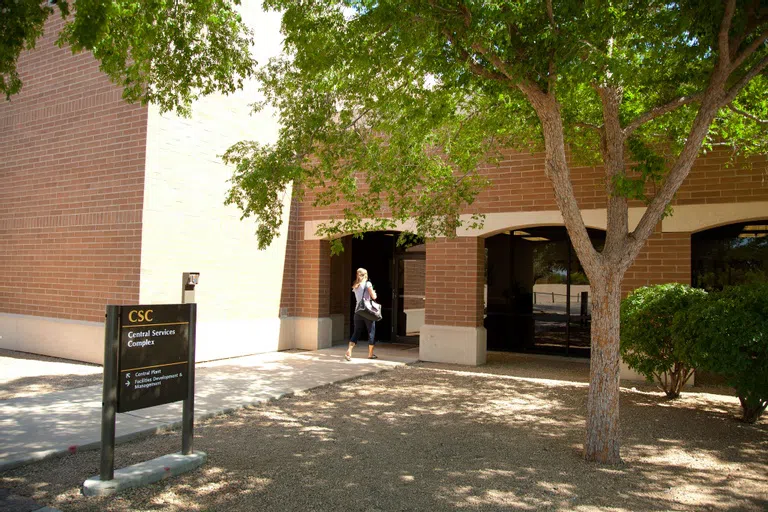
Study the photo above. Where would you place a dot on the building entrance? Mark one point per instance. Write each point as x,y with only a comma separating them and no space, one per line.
537,294
398,274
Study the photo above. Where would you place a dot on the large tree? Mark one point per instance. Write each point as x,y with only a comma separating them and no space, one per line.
167,52
389,107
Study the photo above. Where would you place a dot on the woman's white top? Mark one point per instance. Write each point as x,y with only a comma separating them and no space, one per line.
361,289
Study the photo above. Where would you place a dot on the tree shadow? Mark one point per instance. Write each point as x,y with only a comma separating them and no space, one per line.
26,387
422,438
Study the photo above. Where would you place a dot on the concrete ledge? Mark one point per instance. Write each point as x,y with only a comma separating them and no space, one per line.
57,337
144,473
454,345
313,333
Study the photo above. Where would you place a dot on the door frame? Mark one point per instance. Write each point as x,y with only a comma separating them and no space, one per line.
396,305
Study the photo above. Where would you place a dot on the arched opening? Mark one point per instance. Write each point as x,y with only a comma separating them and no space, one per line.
398,274
537,294
730,255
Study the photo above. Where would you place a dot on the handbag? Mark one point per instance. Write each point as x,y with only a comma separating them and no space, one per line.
367,307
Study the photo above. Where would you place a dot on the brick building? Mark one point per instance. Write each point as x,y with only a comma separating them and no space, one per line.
109,203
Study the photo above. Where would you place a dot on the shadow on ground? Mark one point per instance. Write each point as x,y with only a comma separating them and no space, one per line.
430,438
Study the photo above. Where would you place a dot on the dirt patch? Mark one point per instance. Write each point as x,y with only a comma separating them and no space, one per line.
431,438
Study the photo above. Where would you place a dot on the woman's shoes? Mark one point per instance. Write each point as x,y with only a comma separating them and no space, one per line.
374,356
347,357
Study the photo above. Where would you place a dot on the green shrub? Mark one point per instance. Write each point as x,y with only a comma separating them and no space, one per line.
731,333
647,342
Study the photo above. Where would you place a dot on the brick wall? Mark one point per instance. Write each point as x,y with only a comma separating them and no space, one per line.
715,179
519,184
72,157
288,296
341,270
666,258
313,286
454,284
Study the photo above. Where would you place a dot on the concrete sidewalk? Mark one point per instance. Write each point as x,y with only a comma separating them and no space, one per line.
61,422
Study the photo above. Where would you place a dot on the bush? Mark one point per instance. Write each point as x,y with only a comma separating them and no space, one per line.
731,333
647,342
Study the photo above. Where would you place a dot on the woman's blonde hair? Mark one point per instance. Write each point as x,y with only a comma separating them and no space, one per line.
362,276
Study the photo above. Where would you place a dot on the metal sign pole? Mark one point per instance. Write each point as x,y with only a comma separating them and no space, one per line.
109,400
188,411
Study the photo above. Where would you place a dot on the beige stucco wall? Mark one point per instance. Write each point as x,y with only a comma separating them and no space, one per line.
78,340
187,228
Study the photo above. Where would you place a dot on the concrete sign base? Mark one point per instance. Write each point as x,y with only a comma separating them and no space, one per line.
144,473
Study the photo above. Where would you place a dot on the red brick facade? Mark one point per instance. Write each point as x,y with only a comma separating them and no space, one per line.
666,258
455,279
289,296
313,297
519,185
72,163
72,159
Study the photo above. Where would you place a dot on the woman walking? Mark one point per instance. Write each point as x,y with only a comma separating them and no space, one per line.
362,289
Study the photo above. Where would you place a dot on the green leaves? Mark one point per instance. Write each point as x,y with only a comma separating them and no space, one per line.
21,23
730,334
165,52
400,104
648,341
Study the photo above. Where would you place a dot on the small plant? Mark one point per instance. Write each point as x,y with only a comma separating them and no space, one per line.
731,333
648,345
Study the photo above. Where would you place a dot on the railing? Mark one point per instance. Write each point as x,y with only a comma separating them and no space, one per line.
575,299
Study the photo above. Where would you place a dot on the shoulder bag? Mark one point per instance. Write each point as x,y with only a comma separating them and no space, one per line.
367,307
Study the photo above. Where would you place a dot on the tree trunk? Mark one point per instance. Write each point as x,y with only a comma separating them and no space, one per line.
602,444
752,408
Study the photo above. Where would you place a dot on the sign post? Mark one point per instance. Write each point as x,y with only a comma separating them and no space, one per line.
109,400
188,411
149,360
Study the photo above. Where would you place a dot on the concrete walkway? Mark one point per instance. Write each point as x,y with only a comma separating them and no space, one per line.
61,422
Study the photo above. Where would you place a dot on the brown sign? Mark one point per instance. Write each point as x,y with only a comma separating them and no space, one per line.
154,355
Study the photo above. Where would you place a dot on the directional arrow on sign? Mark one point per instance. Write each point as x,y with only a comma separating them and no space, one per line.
128,375
127,383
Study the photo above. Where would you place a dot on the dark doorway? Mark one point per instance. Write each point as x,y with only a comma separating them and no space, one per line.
537,293
397,273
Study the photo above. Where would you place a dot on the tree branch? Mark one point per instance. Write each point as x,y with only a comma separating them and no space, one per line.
660,111
754,21
678,172
588,126
738,86
551,14
493,59
474,66
749,50
552,78
613,158
723,38
747,114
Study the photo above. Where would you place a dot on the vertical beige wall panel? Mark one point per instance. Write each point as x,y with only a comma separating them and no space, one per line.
187,228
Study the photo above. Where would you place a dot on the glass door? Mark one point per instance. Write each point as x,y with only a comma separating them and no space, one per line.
408,295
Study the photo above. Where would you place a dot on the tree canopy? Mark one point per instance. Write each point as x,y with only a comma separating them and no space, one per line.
165,52
389,108
414,95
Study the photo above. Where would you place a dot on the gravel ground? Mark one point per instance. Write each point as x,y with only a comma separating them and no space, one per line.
23,374
427,437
